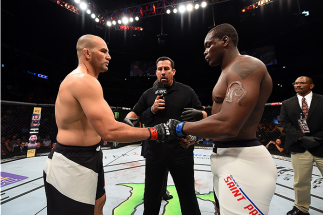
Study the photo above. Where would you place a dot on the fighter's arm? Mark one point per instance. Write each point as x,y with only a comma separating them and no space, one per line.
88,91
243,80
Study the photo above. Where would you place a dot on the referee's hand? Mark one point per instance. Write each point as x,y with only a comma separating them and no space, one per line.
159,104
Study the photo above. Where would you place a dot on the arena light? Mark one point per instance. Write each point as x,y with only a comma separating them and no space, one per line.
181,8
77,1
125,20
119,21
136,18
114,22
97,19
203,4
92,15
130,19
189,7
88,11
83,6
109,23
168,11
175,10
197,6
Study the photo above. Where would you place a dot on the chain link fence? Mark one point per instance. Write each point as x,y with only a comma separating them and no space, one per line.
16,119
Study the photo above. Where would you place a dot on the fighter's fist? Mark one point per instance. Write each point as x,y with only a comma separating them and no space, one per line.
175,128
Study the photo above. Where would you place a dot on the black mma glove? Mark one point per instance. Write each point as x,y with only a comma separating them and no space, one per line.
191,115
159,132
310,142
175,128
129,121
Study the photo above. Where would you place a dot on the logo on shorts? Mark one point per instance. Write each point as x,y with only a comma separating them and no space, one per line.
98,148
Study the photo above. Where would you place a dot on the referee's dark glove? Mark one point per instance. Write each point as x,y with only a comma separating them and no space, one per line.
310,142
191,115
129,121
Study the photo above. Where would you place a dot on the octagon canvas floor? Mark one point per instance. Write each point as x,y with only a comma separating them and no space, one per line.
22,190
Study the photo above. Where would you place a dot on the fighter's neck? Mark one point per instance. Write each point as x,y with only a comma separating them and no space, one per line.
229,59
88,69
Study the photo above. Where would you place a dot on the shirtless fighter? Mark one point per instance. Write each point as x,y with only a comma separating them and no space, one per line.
73,173
244,171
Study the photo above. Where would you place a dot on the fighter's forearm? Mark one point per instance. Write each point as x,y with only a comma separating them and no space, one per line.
212,127
127,135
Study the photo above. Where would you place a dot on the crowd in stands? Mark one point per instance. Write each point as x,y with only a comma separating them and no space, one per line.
16,145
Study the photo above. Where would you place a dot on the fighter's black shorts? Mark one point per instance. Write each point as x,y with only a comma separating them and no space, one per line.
74,179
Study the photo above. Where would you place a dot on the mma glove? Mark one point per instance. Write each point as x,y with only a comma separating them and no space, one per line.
310,142
129,121
175,128
191,115
159,132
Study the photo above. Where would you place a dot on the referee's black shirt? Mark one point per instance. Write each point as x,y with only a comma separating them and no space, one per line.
179,96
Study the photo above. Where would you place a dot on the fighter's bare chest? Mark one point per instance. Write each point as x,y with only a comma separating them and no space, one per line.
219,91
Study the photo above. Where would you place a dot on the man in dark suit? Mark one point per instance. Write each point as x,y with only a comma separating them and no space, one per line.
304,144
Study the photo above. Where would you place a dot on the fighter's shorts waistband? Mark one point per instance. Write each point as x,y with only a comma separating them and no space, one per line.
60,146
235,143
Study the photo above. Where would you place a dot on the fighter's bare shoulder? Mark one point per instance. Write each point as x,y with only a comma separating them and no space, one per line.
245,65
79,81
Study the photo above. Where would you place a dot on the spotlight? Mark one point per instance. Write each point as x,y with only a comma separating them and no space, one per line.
114,22
189,7
175,10
168,11
77,1
197,6
130,19
136,18
119,22
109,23
125,20
181,9
97,19
88,11
83,6
203,4
92,15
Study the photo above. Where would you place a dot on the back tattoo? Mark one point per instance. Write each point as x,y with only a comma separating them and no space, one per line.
244,68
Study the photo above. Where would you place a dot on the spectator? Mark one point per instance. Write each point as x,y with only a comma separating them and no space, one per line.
47,142
13,142
5,149
53,145
273,146
207,141
261,134
21,149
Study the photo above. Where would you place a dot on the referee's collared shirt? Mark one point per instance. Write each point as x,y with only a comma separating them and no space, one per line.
179,96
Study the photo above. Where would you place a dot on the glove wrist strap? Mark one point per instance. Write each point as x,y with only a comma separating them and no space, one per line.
179,129
153,133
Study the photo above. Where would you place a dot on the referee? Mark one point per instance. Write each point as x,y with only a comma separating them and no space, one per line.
169,155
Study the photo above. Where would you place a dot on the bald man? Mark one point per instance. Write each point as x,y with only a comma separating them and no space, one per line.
73,173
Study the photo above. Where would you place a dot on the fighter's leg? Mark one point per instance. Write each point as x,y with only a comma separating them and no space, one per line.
99,203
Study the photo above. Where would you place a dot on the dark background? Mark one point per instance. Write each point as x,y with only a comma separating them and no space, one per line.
40,36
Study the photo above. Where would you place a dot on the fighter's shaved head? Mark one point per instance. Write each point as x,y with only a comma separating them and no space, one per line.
86,41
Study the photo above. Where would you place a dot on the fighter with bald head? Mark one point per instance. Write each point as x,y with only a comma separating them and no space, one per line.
73,173
244,172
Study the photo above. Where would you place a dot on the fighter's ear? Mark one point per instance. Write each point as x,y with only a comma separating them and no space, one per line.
87,53
225,40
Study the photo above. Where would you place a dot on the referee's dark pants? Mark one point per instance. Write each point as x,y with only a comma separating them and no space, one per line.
182,171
